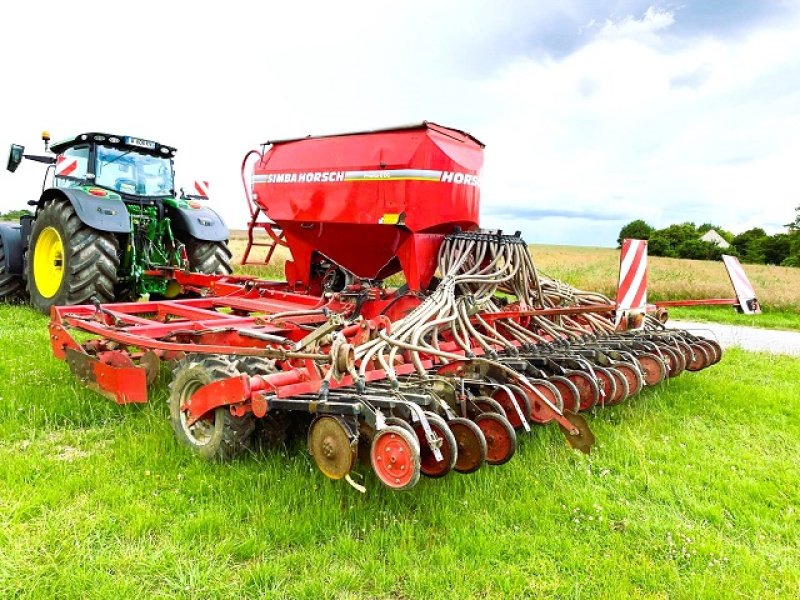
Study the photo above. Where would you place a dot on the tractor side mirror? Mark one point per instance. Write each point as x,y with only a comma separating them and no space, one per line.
15,157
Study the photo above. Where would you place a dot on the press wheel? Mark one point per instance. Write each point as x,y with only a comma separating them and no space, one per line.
429,466
330,444
501,441
395,458
471,445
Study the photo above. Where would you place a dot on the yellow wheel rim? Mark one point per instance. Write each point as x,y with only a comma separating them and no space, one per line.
48,262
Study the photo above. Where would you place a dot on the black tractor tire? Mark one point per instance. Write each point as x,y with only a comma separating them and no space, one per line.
90,259
212,258
12,287
220,437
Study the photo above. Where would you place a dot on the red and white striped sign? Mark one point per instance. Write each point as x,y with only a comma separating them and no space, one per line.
741,285
632,288
65,165
201,187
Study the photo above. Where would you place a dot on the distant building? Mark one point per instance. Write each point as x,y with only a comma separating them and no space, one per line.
712,237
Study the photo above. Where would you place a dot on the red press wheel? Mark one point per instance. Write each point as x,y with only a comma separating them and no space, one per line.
541,413
505,398
428,465
471,445
569,392
700,359
394,458
501,441
608,385
653,368
588,389
632,377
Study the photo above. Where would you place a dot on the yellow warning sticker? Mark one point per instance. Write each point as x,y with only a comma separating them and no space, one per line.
390,219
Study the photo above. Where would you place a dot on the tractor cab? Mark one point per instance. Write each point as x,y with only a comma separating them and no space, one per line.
126,165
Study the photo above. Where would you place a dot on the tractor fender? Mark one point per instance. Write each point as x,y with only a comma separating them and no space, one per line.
107,213
201,223
12,248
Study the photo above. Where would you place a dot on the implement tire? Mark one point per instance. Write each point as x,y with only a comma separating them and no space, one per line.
220,436
212,258
68,262
12,288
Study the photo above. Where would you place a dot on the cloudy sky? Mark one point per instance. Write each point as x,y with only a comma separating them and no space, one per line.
593,113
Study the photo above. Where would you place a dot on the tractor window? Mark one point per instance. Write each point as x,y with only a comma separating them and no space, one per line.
71,167
129,172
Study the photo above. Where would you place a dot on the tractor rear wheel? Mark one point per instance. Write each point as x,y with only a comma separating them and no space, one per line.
212,258
219,435
11,286
68,262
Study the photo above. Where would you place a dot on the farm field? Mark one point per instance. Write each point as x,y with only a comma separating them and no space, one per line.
691,492
669,279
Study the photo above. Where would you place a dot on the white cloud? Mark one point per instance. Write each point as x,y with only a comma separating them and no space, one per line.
653,21
638,120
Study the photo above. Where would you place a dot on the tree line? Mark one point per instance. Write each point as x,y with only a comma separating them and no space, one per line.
13,215
753,246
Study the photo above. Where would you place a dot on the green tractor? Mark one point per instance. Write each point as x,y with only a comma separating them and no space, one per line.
109,226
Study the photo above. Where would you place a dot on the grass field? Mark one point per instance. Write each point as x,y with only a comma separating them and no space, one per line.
693,491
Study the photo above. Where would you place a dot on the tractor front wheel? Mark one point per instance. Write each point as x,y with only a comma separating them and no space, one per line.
213,258
68,262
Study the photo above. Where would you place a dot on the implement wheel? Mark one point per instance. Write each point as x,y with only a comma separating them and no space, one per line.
501,441
394,458
588,389
471,445
429,466
700,358
503,396
219,435
332,447
68,262
653,368
213,258
570,395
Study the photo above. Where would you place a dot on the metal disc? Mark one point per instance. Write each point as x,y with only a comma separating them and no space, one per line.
428,465
540,412
711,350
568,390
653,368
471,445
330,444
621,392
394,458
588,389
501,441
488,405
632,377
700,359
608,385
503,397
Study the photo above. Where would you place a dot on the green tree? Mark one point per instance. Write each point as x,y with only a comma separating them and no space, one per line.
636,230
777,248
793,259
750,245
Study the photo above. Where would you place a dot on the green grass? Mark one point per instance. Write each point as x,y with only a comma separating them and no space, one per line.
693,491
770,319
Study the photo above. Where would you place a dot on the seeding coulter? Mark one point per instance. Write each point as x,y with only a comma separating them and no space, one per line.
437,375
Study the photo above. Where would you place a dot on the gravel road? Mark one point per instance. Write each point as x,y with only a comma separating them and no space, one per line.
749,338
